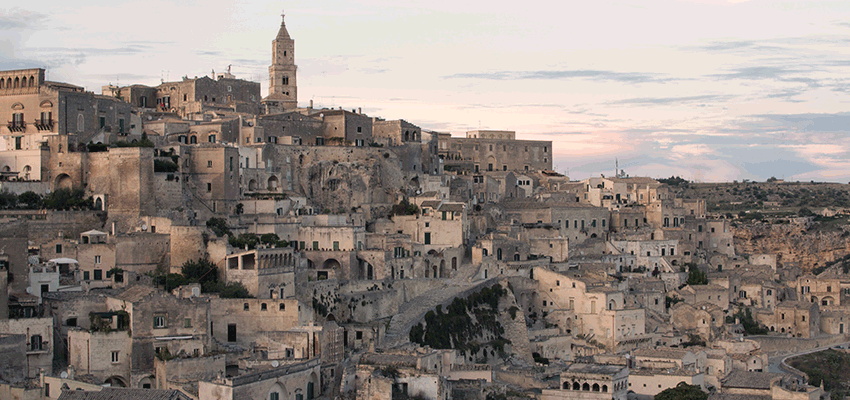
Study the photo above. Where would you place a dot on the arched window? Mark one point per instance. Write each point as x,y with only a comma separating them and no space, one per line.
17,82
566,386
484,252
81,123
193,139
576,386
32,81
2,83
595,387
211,138
605,388
585,387
499,254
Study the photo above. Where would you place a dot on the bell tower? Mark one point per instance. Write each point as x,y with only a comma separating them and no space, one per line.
283,88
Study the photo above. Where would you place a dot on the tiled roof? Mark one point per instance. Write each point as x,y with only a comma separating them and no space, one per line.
749,379
123,394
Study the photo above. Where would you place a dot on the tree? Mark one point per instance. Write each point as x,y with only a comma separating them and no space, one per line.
218,226
682,391
234,290
201,271
696,276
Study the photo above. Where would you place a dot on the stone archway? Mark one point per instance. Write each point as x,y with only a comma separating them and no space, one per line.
331,263
63,181
115,381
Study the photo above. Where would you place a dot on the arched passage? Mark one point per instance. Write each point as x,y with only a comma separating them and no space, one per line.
63,181
115,381
313,387
252,184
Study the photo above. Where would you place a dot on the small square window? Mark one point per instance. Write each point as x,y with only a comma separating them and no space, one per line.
209,164
246,307
263,307
282,307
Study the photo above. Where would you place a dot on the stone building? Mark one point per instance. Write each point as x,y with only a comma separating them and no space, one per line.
794,318
493,151
240,321
270,380
598,312
591,381
38,108
267,273
395,132
198,95
37,343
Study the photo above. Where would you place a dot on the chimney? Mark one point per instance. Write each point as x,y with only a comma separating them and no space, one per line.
311,104
359,110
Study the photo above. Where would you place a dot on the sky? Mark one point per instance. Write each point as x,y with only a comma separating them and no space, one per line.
709,90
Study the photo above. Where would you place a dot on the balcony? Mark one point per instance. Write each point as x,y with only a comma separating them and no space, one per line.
17,126
43,124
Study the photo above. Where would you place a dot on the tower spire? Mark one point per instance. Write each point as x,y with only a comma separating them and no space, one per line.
282,33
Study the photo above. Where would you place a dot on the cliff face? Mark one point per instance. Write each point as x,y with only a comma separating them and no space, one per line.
803,244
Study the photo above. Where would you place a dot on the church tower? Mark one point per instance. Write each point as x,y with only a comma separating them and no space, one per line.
283,88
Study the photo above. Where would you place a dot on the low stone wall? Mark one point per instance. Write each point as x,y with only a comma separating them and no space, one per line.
776,344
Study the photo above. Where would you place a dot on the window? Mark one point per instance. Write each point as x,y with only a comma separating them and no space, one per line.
264,307
209,187
209,164
427,237
102,122
86,275
98,274
359,129
336,245
187,322
121,125
274,396
282,307
58,249
114,357
159,320
35,343
246,307
359,335
315,245
97,259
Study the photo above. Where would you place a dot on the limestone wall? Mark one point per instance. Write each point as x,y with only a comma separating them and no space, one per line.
770,344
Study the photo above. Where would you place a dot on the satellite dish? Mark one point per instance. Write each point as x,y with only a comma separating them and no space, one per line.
63,375
275,363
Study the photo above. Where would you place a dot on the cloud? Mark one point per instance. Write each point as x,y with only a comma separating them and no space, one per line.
594,75
17,18
710,98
